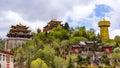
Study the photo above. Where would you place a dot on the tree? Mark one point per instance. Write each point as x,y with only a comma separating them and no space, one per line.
105,59
88,59
25,54
47,54
116,45
116,56
2,45
117,38
59,62
110,41
76,40
38,63
82,32
70,63
82,61
79,59
64,48
41,36
19,57
91,34
116,50
66,26
116,59
71,30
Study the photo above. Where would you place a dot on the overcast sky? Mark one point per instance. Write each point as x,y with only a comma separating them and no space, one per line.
37,13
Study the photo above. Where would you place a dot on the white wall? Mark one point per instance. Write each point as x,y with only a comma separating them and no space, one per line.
12,43
4,62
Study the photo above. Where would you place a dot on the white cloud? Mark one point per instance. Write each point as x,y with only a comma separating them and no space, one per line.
115,32
35,25
80,12
12,18
36,13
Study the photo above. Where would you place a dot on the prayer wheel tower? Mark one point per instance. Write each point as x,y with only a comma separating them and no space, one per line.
104,32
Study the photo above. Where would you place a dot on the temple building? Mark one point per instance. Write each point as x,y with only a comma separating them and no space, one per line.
17,36
53,23
6,59
104,32
86,47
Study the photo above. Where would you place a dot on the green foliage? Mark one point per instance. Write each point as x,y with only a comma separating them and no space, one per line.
105,59
25,53
19,56
61,34
116,45
2,45
83,61
116,50
80,33
110,41
41,36
116,56
59,62
79,59
38,63
57,28
66,26
76,40
105,66
117,38
70,63
91,34
46,54
88,59
52,47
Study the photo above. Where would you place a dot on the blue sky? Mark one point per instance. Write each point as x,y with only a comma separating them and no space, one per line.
100,10
37,13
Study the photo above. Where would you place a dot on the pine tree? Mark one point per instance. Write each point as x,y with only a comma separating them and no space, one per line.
66,26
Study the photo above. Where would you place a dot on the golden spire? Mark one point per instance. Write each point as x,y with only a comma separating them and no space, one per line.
20,24
103,19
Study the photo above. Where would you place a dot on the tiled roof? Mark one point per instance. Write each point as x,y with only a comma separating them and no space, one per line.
5,52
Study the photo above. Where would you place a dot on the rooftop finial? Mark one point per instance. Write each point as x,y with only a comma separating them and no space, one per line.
54,19
20,24
103,19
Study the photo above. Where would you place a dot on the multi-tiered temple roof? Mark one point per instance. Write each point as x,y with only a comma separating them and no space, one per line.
19,31
53,23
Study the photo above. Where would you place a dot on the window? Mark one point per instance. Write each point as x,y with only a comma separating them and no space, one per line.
11,59
0,65
3,57
0,57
